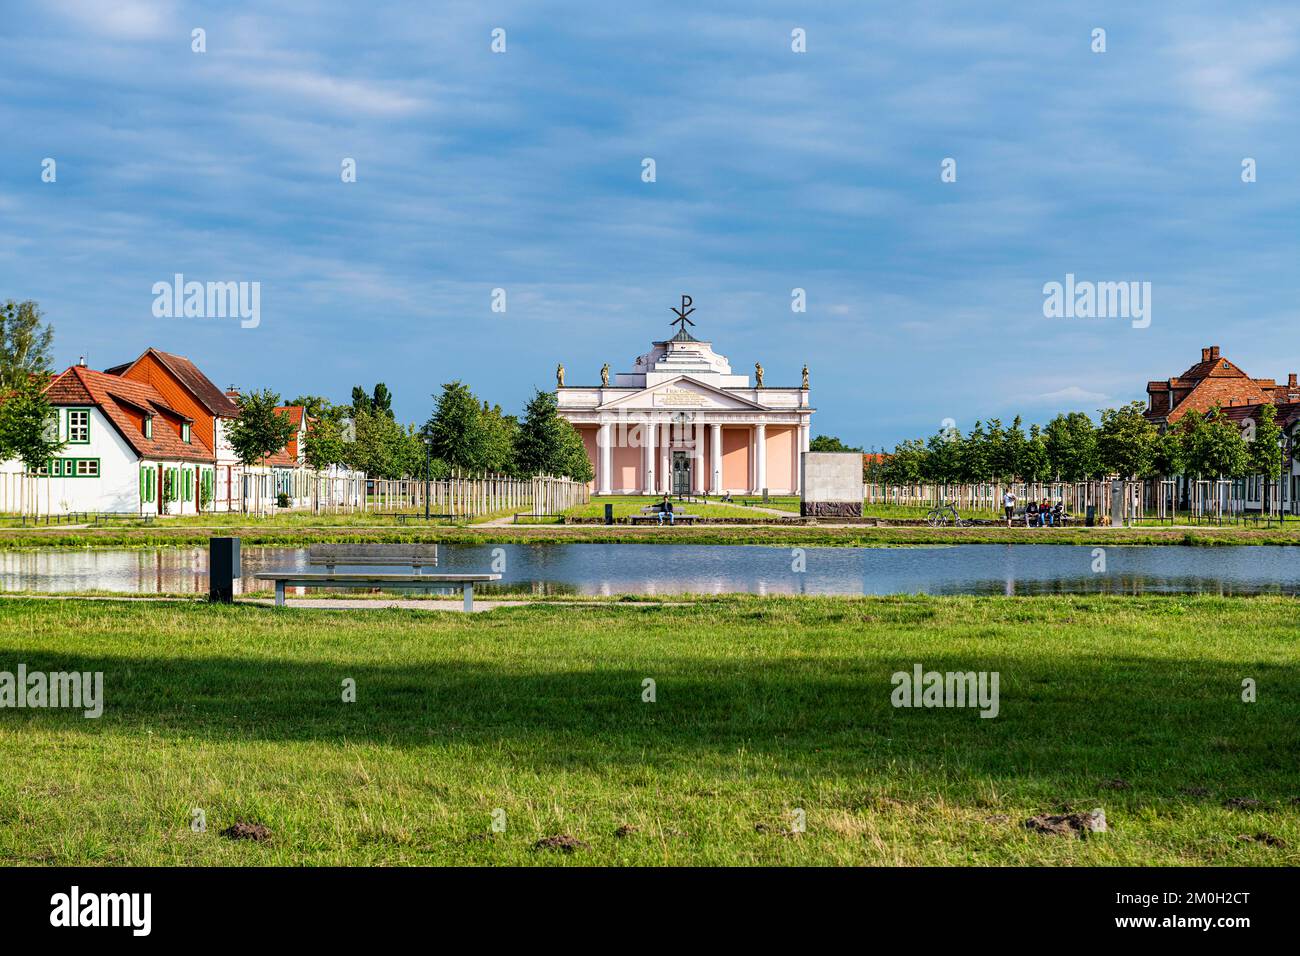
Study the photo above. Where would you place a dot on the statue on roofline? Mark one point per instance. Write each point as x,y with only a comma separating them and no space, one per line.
604,374
758,375
805,378
559,376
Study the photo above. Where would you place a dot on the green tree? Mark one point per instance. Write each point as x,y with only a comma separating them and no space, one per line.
1072,447
1126,442
317,407
28,423
944,459
1264,450
1006,445
830,443
976,454
324,445
1035,464
380,446
539,442
259,431
457,428
907,465
1213,446
498,440
25,343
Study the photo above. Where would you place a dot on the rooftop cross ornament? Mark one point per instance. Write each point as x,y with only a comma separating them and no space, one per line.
682,321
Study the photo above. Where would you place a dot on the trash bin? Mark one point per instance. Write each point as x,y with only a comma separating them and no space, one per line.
1090,517
223,569
609,514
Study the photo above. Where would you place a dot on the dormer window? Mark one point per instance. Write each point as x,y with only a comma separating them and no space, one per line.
148,426
185,432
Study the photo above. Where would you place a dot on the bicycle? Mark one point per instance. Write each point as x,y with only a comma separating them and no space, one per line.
939,517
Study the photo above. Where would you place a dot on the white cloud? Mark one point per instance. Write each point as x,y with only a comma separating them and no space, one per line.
124,19
1225,67
1071,396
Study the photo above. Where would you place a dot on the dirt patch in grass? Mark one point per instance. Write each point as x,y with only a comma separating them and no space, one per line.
562,842
1068,824
247,831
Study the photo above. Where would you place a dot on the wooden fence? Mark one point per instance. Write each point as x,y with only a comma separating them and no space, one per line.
257,492
1075,497
476,497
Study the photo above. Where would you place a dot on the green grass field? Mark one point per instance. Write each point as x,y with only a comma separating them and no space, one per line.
627,505
764,707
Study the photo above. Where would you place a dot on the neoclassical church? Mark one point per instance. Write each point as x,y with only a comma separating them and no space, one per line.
681,422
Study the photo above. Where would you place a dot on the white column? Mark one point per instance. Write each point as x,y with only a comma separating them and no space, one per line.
760,475
804,431
698,481
648,436
606,459
666,458
715,459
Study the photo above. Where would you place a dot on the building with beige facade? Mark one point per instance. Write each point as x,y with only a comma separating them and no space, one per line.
681,422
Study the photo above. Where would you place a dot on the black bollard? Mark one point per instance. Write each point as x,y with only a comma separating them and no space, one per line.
223,569
609,514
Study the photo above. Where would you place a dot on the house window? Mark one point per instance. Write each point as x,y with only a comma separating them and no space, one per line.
148,426
185,432
87,467
78,426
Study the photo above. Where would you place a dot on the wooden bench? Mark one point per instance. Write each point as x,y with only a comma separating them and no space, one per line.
417,557
650,513
413,556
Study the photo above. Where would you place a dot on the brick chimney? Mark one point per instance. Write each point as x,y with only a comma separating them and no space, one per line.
1214,352
1205,355
1290,380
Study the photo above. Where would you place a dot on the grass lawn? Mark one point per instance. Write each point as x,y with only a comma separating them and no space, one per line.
627,505
764,706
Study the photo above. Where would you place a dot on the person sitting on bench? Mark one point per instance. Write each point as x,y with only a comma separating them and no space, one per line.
665,508
1031,514
1057,514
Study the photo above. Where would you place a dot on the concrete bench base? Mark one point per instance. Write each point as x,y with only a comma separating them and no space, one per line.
309,579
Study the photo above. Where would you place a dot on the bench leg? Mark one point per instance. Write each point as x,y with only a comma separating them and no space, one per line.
279,594
469,596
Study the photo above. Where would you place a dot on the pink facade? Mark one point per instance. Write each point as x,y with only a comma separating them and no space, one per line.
735,459
781,456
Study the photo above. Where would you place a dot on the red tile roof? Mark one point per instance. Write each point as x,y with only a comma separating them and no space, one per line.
123,401
199,385
1213,381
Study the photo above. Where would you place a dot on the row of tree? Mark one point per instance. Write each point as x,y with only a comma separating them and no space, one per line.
462,434
1072,447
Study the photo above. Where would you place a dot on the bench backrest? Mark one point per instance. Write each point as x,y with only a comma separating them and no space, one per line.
406,555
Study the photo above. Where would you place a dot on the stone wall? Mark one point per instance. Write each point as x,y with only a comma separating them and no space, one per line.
832,484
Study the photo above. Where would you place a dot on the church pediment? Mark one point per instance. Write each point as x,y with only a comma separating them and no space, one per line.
682,392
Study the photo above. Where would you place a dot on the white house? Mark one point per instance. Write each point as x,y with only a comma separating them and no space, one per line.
128,450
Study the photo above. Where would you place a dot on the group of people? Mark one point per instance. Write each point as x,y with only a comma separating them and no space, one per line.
1037,514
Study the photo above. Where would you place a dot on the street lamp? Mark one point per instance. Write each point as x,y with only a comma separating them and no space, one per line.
428,462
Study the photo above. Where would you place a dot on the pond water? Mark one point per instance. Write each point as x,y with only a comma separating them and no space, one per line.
709,569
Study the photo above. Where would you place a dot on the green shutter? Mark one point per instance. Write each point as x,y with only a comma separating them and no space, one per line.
189,489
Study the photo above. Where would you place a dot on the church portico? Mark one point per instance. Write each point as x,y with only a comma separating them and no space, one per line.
683,423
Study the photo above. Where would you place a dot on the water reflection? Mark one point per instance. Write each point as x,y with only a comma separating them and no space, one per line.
606,569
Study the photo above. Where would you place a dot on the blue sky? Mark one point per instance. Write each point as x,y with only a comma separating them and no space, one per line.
775,170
